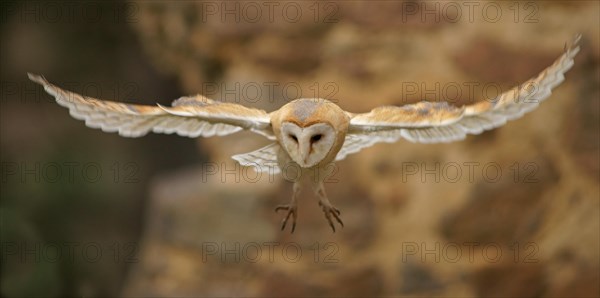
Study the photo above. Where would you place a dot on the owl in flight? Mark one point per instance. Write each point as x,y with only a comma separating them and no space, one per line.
310,134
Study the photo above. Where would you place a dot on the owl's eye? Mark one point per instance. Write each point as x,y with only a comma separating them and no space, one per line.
293,138
316,138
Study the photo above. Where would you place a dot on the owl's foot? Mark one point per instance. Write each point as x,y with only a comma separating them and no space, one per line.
292,210
330,212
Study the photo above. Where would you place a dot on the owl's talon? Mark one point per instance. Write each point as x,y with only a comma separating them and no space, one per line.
291,211
329,211
336,211
337,217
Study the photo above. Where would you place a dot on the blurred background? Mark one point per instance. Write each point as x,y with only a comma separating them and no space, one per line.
513,212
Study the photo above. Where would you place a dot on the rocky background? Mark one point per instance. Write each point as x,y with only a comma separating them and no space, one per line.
513,212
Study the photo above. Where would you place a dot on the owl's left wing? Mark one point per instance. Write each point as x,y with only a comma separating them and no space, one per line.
434,122
190,116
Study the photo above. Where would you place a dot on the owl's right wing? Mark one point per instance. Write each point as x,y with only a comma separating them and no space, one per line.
434,122
191,116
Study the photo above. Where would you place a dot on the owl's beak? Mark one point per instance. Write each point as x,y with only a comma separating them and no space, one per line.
305,152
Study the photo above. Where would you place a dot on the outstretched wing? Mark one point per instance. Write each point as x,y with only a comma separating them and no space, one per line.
189,116
434,122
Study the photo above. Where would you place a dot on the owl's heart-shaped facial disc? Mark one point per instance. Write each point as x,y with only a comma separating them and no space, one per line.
309,145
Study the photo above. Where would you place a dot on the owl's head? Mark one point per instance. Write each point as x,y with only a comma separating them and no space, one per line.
311,129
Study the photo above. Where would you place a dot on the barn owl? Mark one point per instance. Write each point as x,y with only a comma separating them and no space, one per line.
311,134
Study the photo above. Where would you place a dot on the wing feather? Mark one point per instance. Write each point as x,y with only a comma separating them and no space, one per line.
190,116
433,122
263,159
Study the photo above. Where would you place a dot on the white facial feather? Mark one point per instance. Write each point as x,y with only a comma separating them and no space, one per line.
309,145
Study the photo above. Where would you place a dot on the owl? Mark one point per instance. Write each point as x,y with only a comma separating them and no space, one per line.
309,134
